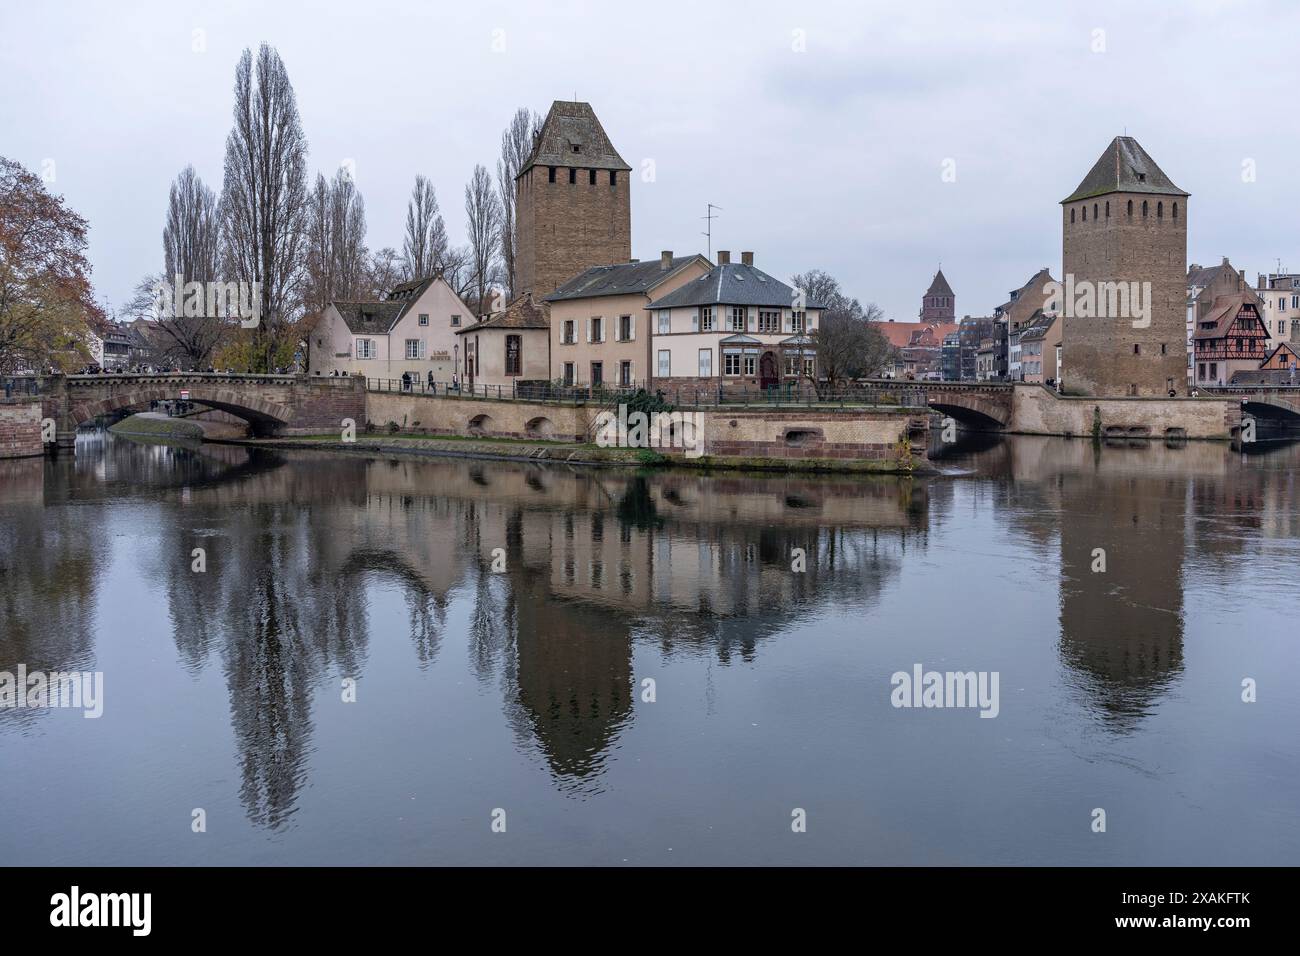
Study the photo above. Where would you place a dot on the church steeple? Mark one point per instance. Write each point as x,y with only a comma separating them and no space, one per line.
939,304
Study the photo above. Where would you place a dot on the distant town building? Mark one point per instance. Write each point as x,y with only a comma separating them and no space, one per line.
1039,342
573,207
601,324
972,332
506,347
950,357
735,324
411,330
918,347
939,304
1018,311
1125,223
1204,284
1280,294
1230,337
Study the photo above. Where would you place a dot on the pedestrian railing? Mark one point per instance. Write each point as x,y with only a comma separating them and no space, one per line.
19,386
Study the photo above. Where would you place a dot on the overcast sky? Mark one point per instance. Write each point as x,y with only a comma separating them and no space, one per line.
821,129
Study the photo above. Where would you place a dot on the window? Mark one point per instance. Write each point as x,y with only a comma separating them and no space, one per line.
613,177
577,148
625,373
1175,210
1130,207
706,319
798,321
1144,209
597,373
1163,349
809,366
706,363
551,174
1137,349
414,349
1094,210
597,328
424,319
769,321
566,335
665,321
455,320
1160,210
665,363
514,355
1071,215
591,177
568,373
737,319
1085,213
573,175
792,364
1107,208
730,363
365,348
750,361
625,328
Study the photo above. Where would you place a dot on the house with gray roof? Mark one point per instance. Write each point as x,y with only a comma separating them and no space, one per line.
411,330
601,324
734,324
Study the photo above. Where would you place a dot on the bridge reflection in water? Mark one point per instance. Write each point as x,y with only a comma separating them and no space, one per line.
552,583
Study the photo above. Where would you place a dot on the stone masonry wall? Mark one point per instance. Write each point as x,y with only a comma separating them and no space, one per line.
1036,411
20,428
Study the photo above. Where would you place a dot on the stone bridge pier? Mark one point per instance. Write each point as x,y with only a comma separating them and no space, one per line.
271,404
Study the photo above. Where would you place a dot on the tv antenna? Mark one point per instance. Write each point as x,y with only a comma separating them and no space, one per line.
709,231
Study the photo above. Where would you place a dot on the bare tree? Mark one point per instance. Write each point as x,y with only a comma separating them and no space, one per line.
516,146
191,253
264,201
337,258
424,250
483,226
384,271
847,341
191,237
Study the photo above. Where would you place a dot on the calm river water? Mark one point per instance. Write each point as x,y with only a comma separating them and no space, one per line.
623,668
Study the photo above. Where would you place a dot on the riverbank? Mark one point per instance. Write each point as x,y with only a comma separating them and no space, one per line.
157,426
909,461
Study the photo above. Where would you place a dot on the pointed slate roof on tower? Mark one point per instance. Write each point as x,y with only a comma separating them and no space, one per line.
572,136
940,285
1125,167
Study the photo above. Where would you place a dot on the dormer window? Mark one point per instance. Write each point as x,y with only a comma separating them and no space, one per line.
577,148
1142,177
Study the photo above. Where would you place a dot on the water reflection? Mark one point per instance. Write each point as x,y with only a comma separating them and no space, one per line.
563,574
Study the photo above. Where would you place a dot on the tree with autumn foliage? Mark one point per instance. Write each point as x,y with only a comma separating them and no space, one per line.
47,309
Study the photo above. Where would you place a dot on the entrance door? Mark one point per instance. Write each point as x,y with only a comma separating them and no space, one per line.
767,371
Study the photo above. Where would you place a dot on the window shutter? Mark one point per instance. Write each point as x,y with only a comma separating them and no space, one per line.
632,328
589,330
695,320
753,320
786,320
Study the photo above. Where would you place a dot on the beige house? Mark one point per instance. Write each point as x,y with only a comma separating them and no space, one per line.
412,330
505,348
600,320
734,325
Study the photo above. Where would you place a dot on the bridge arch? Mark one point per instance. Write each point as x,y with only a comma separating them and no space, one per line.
264,417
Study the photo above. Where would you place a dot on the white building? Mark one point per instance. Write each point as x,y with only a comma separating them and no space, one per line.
412,330
1280,293
735,325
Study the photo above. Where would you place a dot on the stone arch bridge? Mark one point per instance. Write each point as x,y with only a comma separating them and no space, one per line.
271,404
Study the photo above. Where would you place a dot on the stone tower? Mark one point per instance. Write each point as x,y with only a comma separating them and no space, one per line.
1124,258
572,202
939,304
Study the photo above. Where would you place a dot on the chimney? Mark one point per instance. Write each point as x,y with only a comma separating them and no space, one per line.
724,257
666,260
747,258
